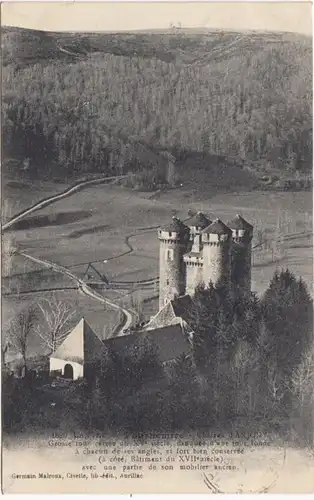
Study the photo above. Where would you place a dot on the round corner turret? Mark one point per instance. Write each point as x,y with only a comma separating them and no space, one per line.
241,229
176,230
242,235
198,222
174,238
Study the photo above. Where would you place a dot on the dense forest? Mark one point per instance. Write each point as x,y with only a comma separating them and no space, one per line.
249,362
110,103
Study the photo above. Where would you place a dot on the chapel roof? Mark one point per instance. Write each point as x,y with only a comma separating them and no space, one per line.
82,345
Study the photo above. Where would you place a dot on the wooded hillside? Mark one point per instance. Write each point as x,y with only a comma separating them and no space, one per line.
85,101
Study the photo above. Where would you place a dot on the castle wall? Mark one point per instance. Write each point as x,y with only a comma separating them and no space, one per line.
194,276
241,255
217,254
217,260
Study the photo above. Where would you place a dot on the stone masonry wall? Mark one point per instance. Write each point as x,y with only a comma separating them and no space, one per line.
171,271
194,276
217,262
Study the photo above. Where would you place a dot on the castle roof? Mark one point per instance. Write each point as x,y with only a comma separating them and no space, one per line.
169,342
176,226
217,227
82,345
198,220
171,313
182,305
239,223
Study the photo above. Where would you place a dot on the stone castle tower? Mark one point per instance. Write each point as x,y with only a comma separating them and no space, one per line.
200,251
174,239
242,235
217,240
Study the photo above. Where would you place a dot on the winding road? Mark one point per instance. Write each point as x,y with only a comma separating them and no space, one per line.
128,314
52,199
84,287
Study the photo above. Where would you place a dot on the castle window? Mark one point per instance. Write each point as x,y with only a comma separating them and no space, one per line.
169,254
167,282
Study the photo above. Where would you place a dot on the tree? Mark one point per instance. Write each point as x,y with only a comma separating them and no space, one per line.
143,361
8,251
183,376
56,316
159,103
287,303
242,368
5,347
201,321
301,387
136,303
184,391
21,328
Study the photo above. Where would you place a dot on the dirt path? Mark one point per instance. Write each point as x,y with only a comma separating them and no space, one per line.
68,52
52,199
149,282
128,316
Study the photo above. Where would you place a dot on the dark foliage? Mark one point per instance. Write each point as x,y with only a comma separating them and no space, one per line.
117,97
250,361
288,315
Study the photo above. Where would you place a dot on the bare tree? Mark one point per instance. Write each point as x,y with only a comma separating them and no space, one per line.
302,383
136,303
5,347
108,329
56,317
275,386
20,330
8,251
259,238
302,388
243,368
8,209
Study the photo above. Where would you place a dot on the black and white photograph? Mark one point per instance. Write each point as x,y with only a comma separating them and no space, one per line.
157,247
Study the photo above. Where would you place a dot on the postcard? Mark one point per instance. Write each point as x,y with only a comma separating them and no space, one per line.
157,247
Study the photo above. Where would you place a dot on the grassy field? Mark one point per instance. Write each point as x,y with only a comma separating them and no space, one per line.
92,226
117,225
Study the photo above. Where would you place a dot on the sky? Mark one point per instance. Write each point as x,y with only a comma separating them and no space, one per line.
119,16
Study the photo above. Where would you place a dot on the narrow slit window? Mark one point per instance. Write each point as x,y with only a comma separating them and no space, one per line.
169,254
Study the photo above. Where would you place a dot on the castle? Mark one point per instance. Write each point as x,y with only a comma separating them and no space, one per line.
202,251
191,252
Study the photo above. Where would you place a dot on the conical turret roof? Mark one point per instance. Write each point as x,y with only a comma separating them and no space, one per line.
239,223
217,227
81,345
198,220
176,226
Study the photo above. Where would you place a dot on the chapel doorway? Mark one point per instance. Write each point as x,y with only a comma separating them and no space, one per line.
68,371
